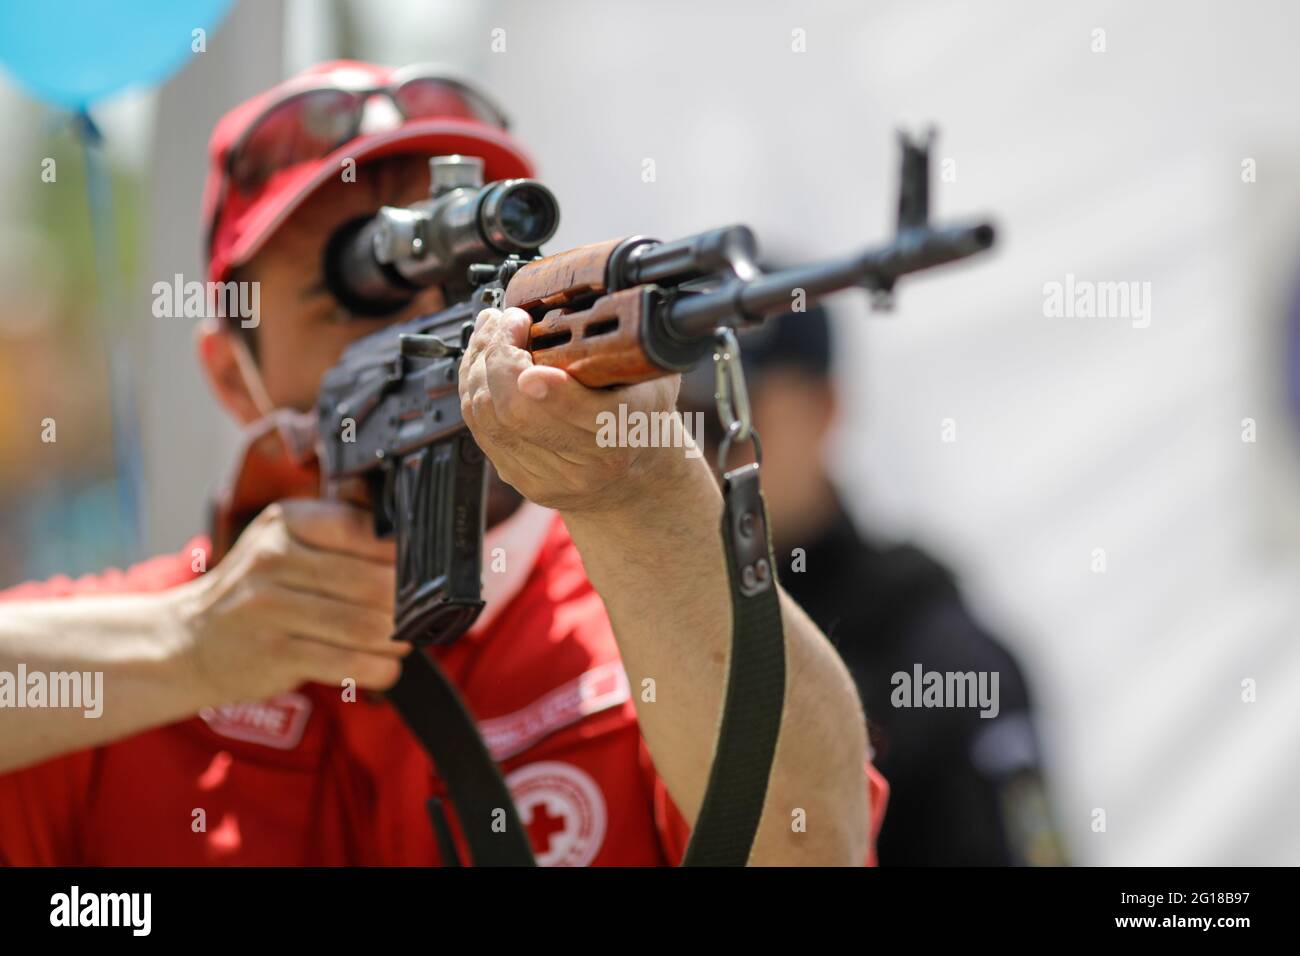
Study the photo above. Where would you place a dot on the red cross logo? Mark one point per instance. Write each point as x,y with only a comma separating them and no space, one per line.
563,809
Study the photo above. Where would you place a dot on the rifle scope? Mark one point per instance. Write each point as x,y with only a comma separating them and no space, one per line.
375,265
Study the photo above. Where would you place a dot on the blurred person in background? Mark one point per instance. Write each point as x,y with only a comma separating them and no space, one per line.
965,789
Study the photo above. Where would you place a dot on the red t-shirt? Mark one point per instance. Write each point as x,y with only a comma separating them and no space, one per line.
309,779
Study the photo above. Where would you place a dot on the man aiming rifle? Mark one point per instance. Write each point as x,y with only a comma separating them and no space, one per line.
596,671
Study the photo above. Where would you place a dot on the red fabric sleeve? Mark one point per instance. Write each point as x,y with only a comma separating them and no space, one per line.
675,833
40,806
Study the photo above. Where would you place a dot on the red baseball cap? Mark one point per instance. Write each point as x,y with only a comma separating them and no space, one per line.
237,223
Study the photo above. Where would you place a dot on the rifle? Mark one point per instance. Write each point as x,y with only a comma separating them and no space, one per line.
611,314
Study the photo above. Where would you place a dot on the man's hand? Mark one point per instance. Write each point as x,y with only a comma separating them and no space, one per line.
306,594
538,425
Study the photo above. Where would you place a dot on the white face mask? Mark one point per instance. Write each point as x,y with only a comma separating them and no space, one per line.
252,375
297,429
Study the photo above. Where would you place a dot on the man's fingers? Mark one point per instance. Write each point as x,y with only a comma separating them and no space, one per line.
333,526
559,395
502,365
489,370
476,342
330,665
329,621
494,327
539,381
540,427
566,399
510,327
341,576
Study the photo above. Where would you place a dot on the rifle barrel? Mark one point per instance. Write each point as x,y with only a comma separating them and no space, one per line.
692,317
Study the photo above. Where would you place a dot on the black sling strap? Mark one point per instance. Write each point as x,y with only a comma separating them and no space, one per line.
750,723
435,713
755,696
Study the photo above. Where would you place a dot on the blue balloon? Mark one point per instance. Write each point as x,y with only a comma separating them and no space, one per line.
75,52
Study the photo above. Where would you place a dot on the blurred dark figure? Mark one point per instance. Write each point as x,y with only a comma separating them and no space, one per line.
964,789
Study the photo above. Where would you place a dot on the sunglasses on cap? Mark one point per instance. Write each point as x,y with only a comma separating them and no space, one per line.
312,121
309,120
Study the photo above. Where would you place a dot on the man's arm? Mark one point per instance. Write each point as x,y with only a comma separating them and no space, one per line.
305,595
660,570
646,522
143,677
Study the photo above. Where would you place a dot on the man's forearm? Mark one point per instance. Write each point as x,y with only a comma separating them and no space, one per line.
146,681
659,567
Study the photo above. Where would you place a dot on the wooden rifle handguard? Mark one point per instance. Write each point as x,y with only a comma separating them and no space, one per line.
579,326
